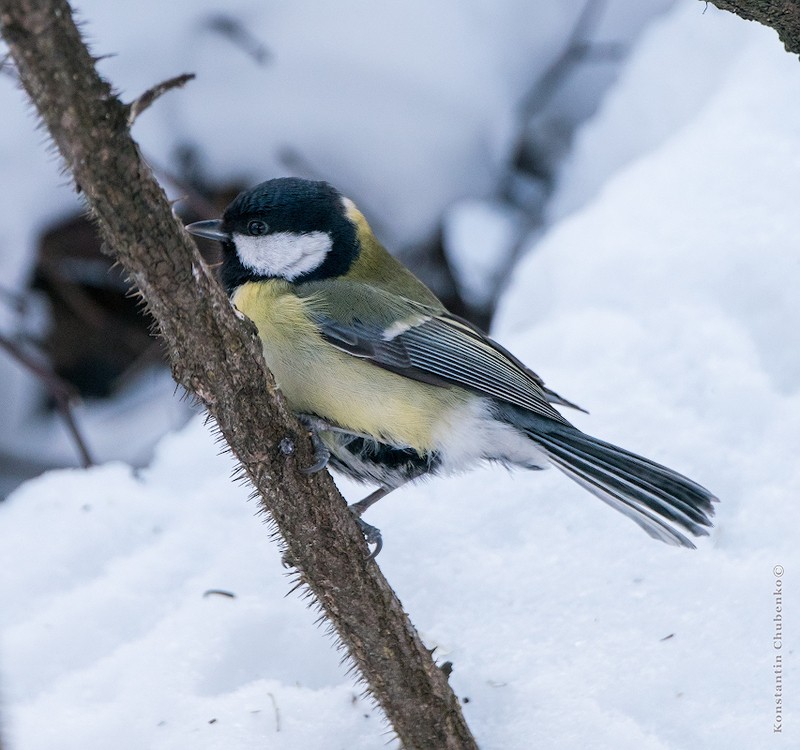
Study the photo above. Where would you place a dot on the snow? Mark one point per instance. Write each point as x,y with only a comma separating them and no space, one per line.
664,301
478,239
652,99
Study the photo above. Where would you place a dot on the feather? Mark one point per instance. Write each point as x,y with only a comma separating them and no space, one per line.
425,344
660,500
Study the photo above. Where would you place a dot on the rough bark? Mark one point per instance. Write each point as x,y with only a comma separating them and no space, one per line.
215,356
781,15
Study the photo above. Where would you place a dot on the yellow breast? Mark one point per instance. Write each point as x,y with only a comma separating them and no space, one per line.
317,378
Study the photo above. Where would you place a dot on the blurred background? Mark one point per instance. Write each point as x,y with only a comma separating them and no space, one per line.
448,123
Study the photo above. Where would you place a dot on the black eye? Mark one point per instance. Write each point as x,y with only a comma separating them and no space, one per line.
256,227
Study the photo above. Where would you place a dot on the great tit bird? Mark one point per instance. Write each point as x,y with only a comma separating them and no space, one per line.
393,386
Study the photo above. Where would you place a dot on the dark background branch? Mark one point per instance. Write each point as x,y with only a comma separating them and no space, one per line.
781,15
218,359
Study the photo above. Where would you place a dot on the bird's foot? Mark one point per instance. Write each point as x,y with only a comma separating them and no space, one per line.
372,535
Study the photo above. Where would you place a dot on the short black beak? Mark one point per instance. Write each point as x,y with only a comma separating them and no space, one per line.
211,230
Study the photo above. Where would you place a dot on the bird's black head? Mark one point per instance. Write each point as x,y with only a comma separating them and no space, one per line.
285,228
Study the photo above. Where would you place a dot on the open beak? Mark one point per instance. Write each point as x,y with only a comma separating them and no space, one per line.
210,229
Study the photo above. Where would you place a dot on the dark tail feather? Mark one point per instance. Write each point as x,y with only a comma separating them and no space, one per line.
657,498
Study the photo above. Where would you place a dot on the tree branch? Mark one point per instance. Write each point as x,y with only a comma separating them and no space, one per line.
217,358
781,15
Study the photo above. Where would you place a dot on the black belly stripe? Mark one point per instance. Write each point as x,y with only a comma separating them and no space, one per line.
368,460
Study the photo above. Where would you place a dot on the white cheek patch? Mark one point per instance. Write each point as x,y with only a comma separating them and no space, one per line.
286,255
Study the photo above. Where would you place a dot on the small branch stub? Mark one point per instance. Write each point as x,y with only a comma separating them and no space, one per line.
141,103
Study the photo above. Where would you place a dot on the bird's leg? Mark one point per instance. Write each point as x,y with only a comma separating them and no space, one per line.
361,506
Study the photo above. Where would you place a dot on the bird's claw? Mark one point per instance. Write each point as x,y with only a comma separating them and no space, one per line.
322,454
372,535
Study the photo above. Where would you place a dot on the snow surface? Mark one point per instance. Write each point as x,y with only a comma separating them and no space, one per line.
665,301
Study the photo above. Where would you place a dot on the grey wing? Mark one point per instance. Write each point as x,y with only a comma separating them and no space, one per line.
443,350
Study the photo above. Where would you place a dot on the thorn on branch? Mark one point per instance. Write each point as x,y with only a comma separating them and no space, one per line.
141,103
7,66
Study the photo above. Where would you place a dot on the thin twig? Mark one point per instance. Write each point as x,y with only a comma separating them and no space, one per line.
63,395
236,32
